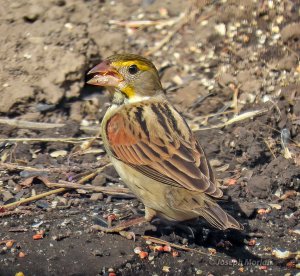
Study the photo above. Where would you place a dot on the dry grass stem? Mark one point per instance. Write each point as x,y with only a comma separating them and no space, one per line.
71,140
32,198
266,142
145,23
199,118
42,126
64,186
235,90
88,187
235,119
29,125
13,167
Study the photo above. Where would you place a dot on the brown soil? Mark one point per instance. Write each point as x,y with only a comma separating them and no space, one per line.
251,47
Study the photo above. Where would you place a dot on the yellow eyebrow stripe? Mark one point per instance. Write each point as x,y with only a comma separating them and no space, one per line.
141,65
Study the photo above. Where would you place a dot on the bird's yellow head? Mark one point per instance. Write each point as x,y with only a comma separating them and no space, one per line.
130,75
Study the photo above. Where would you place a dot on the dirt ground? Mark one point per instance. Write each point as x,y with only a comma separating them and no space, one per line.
230,67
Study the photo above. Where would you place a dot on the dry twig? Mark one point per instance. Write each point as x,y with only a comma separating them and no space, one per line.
235,90
62,188
14,167
105,190
29,125
235,119
30,199
40,125
48,139
268,145
182,247
145,23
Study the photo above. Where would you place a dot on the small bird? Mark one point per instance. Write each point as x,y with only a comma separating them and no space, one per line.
152,147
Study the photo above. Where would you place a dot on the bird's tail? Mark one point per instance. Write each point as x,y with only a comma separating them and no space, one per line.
217,217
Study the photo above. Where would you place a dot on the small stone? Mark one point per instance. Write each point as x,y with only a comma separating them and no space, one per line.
221,29
84,123
177,80
27,56
275,29
166,268
176,55
275,206
99,180
43,204
6,195
97,252
204,23
81,191
266,98
58,153
151,257
260,186
259,32
69,26
33,14
62,201
226,78
137,250
279,19
3,250
96,196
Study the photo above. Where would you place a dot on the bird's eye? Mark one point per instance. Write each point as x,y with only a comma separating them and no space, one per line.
133,69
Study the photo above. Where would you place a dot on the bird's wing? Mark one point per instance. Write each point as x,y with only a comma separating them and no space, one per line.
153,138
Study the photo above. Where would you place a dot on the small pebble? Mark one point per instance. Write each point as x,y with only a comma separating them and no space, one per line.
58,153
137,250
96,196
221,29
166,268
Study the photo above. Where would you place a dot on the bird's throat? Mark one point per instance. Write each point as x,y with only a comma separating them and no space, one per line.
120,98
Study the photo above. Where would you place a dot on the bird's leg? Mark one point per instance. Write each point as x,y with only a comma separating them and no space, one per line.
149,214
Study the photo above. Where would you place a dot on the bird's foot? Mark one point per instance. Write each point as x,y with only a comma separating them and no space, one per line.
120,228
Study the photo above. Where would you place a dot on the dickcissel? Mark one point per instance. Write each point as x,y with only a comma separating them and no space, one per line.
152,147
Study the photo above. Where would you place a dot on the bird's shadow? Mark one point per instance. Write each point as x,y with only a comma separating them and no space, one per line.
231,242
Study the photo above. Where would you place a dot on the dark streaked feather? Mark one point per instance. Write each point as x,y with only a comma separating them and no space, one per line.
159,144
218,218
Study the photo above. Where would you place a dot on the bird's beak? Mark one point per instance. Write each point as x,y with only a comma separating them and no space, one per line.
104,75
